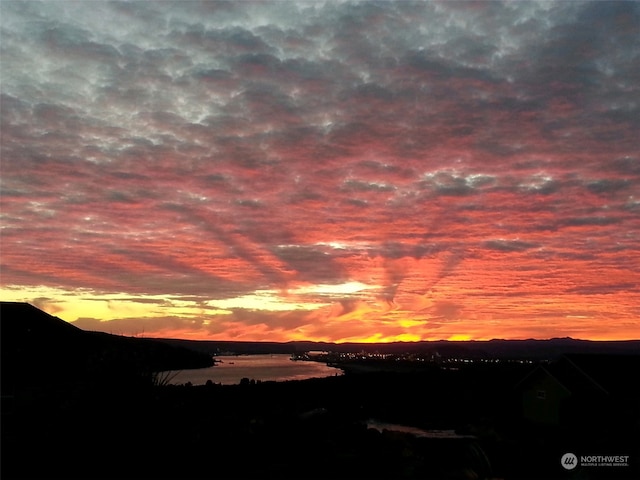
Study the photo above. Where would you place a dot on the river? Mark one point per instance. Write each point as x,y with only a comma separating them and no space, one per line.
229,370
416,432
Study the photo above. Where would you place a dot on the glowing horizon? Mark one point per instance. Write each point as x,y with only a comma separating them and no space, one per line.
157,317
353,171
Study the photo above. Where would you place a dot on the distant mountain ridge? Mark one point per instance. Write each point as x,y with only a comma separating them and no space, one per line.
502,349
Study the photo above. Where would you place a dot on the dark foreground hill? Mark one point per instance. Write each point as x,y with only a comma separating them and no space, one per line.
40,350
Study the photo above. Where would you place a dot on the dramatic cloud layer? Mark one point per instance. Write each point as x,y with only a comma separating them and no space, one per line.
324,170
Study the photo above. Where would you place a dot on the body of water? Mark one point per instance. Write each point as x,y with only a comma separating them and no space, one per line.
229,370
416,432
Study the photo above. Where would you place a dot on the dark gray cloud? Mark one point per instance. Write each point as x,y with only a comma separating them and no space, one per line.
509,245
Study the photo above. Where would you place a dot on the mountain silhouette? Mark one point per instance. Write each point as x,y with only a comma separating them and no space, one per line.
531,349
40,350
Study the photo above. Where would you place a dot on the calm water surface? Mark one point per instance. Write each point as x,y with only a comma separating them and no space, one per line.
229,370
416,432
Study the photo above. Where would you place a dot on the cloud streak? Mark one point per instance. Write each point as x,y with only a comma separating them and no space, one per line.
474,165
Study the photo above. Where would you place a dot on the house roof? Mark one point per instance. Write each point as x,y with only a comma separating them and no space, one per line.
613,373
591,374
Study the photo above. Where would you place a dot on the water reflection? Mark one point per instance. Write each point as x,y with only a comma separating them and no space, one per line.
229,370
417,432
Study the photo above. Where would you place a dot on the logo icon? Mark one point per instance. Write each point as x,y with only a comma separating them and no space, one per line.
569,461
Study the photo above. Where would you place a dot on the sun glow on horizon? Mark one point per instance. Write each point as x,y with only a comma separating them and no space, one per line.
459,337
182,317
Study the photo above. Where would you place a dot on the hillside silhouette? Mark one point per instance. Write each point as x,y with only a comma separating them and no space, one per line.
40,350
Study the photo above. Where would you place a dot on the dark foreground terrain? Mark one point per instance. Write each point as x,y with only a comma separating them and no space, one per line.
306,429
509,420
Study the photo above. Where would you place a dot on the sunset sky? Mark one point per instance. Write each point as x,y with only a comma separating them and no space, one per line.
336,171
